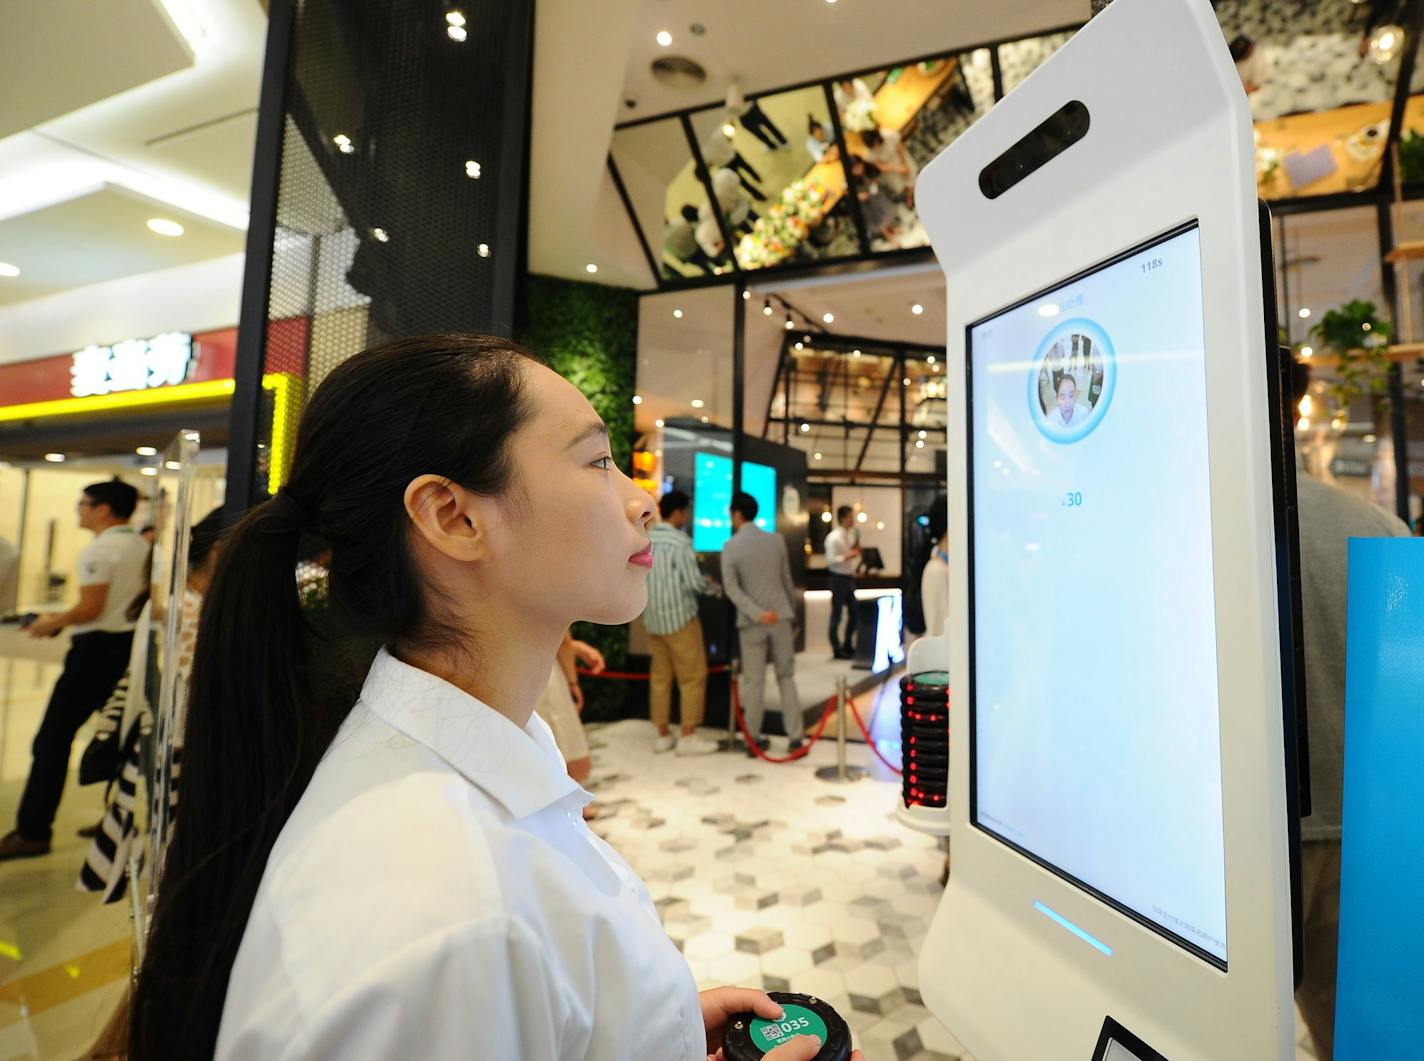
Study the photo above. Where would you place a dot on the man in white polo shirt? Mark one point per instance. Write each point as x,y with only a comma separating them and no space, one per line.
113,573
842,556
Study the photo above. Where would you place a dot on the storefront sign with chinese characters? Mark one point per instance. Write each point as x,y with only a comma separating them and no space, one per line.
132,365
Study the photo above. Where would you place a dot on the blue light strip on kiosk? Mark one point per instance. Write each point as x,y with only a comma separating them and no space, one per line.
1086,937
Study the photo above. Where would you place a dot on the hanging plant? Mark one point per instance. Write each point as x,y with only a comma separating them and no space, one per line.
1359,339
1411,157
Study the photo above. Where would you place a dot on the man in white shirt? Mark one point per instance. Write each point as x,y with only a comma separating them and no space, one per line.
113,574
934,581
842,555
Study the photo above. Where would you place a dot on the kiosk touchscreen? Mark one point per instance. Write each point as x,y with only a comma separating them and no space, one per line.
1119,808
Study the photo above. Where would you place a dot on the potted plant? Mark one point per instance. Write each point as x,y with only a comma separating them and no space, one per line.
1359,339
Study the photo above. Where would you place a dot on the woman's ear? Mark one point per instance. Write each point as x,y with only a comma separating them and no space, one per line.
450,518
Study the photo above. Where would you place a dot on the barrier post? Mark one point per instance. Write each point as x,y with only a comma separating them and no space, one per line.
841,772
730,744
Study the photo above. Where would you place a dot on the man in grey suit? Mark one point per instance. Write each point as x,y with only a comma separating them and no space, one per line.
756,574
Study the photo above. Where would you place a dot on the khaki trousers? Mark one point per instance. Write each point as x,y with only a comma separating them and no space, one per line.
682,654
1320,927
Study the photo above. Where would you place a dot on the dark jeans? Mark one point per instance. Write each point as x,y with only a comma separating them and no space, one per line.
93,666
842,597
763,128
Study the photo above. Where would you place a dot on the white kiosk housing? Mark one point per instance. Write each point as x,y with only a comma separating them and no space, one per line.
1119,808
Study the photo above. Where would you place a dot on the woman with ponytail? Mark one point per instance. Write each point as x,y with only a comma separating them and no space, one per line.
406,873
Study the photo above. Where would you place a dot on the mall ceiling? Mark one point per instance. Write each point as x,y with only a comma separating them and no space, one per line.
153,102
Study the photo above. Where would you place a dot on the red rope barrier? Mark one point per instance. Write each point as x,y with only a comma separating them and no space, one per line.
866,734
799,753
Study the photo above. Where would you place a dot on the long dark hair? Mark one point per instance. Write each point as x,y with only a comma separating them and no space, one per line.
257,723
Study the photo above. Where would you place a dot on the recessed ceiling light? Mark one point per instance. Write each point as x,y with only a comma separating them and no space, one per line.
472,170
698,403
637,399
829,318
729,130
746,295
677,314
855,353
483,250
906,381
789,322
880,524
664,38
931,359
456,33
924,434
800,346
919,443
343,143
146,451
917,309
381,235
805,427
1303,312
861,517
455,18
148,471
766,308
590,268
825,516
55,458
1370,438
173,466
705,419
657,423
818,457
6,269
165,227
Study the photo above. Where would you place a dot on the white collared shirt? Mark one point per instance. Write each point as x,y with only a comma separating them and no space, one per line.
437,895
117,558
839,543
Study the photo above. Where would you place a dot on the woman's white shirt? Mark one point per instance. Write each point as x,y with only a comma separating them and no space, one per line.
934,596
437,894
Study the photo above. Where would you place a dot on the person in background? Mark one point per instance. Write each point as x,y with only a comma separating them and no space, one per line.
1328,518
757,574
897,169
149,534
680,240
1419,526
675,631
875,205
735,207
856,103
818,141
709,239
842,557
561,705
113,573
718,152
405,873
754,119
934,582
1250,63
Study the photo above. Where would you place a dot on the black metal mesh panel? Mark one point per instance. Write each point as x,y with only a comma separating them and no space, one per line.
399,198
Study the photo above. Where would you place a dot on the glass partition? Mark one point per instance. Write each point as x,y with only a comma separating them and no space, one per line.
669,201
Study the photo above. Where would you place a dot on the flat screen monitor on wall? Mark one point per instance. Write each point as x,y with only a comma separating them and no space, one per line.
712,499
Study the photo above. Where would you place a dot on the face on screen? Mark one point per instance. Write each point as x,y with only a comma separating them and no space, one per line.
1095,714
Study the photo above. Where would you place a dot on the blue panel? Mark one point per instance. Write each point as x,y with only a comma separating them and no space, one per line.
712,497
1380,1005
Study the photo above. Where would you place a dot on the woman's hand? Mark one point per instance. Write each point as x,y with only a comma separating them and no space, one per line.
589,656
720,1004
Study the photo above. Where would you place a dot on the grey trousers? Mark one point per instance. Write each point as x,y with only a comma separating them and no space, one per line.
780,641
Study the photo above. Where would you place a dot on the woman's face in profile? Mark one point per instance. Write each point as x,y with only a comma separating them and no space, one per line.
574,520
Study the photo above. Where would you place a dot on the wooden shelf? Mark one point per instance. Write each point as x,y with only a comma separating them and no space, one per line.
1407,251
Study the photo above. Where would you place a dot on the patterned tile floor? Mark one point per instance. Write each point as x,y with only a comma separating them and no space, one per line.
768,877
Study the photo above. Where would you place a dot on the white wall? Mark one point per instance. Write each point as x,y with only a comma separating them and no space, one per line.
189,298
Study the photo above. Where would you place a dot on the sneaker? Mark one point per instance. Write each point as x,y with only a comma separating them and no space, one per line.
13,845
795,746
664,743
695,745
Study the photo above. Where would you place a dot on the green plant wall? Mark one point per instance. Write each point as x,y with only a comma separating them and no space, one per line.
589,333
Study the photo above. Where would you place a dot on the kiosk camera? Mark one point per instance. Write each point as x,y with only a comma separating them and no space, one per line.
1121,802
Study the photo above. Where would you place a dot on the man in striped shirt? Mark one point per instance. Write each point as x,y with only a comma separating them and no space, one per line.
675,630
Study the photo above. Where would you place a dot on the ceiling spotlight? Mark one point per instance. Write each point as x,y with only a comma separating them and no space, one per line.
919,443
658,423
704,419
146,451
173,466
828,318
164,227
1303,312
590,268
637,399
880,524
825,516
472,170
729,130
855,353
789,322
55,458
924,434
148,471
746,295
677,314
1370,438
817,456
6,269
343,143
698,403
483,249
861,517
931,359
664,38
917,309
455,18
1385,42
1303,424
766,308
906,381
805,427
800,346
456,33
381,235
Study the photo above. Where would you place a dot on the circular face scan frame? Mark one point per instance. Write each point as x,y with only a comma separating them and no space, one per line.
1065,331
